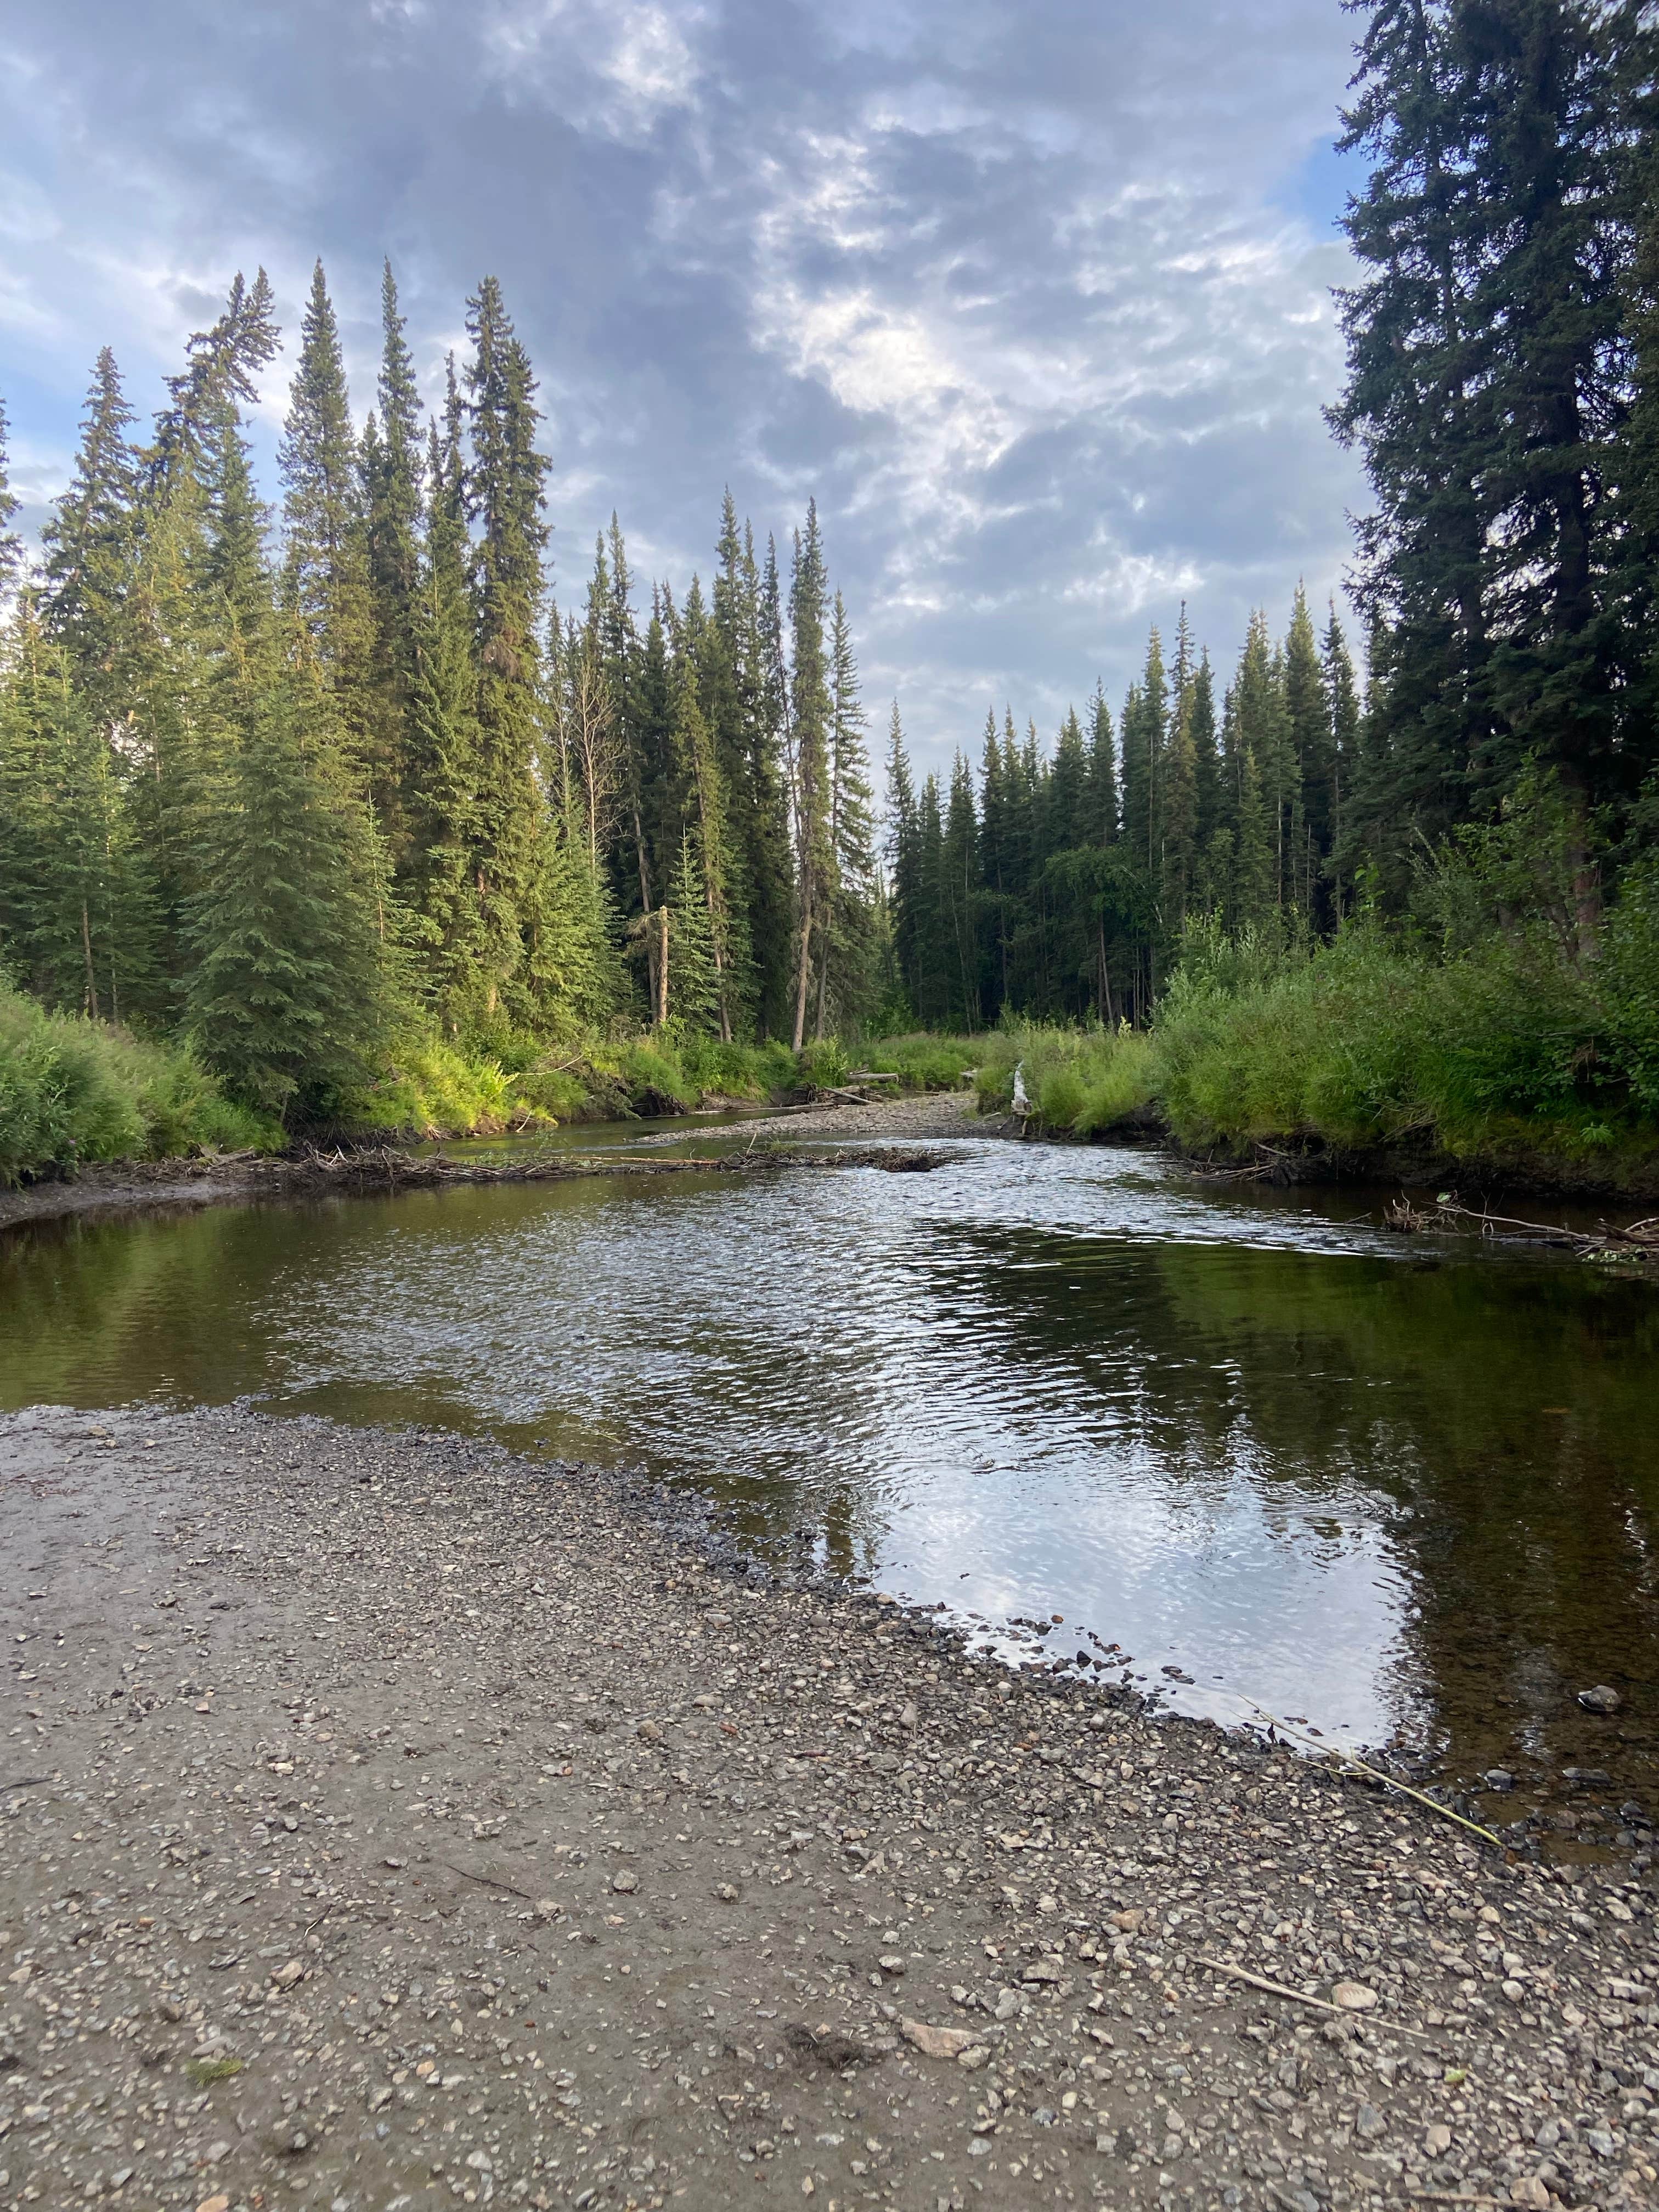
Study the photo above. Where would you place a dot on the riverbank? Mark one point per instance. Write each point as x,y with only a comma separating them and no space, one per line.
163,1186
392,1820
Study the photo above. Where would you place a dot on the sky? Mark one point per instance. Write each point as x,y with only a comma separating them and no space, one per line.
1034,296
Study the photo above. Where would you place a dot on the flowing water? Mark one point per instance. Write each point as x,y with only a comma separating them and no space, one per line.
1399,1494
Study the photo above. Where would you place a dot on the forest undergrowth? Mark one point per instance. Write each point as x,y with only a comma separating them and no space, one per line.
74,1091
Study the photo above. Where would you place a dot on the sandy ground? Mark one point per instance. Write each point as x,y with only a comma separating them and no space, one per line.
931,1113
387,1822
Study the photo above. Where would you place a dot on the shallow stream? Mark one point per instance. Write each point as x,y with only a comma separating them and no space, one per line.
1389,1491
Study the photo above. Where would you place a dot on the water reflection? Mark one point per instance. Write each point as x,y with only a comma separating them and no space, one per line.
1260,1440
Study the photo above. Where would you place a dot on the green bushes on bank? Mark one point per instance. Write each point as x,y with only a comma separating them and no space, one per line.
1513,1042
74,1090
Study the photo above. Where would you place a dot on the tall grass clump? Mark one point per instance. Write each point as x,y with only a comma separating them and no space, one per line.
1078,1082
72,1091
923,1061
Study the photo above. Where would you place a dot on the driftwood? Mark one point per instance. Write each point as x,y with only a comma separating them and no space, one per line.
1638,1241
386,1166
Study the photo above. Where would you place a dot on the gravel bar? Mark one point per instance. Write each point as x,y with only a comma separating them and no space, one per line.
389,1821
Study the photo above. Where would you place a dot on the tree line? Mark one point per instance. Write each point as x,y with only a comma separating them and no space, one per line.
1058,885
1502,390
284,784
281,784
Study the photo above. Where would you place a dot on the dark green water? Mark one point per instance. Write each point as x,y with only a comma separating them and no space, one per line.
1310,1465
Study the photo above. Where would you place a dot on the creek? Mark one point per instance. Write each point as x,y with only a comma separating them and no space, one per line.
1400,1494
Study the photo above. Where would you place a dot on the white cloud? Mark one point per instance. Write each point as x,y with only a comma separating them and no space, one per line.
1011,287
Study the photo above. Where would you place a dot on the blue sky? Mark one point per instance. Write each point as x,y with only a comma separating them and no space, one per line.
1033,296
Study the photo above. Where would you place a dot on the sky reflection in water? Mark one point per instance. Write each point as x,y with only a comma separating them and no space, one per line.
1249,1436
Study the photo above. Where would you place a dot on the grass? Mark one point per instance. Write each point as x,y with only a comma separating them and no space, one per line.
73,1091
924,1061
1511,1047
204,2072
1081,1082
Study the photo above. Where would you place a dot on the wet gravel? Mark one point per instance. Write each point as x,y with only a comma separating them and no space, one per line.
387,1821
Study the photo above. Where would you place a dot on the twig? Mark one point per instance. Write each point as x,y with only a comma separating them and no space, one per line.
1443,2197
1377,1774
1280,1989
487,1880
25,1782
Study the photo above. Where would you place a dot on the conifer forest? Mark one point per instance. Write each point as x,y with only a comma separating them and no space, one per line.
299,782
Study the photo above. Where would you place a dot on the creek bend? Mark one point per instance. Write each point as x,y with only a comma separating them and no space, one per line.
1403,1496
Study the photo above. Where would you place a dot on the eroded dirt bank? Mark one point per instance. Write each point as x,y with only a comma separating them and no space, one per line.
385,1822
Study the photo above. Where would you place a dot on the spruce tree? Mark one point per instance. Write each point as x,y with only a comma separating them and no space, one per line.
88,545
504,500
847,966
1342,694
741,616
389,461
809,712
1103,801
220,365
958,895
903,854
694,983
442,757
705,822
78,915
288,997
1311,740
10,545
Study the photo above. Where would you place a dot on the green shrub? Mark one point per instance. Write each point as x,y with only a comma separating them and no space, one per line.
923,1061
74,1090
654,1081
824,1064
1120,1088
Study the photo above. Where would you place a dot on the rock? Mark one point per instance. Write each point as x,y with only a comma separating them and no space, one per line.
1603,1698
936,2042
1369,2123
1529,2191
219,2203
1499,1778
1353,1996
890,1963
548,1908
726,1894
286,1977
974,2057
1437,2142
624,1884
649,1732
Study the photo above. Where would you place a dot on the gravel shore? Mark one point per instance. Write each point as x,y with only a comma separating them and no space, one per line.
176,1186
389,1822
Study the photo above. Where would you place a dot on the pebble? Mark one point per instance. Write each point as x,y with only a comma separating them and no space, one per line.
450,1687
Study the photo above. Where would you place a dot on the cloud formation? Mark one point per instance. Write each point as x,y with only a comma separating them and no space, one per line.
1033,295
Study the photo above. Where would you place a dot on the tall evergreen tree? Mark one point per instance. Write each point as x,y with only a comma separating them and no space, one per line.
903,854
810,713
10,546
442,742
847,965
505,499
77,916
389,461
89,544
